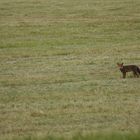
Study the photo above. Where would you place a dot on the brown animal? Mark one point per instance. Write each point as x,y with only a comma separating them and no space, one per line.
129,68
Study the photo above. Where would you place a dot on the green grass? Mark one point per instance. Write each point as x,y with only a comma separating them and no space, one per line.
79,136
58,72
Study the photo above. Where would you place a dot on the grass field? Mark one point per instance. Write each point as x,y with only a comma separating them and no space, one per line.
58,72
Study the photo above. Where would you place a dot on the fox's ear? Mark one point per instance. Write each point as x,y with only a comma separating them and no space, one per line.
118,64
122,63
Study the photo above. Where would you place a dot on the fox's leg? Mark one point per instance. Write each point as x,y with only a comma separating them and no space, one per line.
124,74
135,74
138,72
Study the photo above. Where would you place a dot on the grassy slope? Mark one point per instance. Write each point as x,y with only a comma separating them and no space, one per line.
58,71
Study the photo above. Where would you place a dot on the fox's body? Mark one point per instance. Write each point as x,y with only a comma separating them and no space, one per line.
129,68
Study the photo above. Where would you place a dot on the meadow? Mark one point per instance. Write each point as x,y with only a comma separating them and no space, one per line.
58,72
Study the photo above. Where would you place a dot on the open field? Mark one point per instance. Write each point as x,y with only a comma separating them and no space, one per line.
97,136
58,72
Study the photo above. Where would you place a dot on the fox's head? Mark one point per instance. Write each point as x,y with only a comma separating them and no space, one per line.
120,65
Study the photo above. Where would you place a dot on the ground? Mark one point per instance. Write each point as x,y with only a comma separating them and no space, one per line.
58,71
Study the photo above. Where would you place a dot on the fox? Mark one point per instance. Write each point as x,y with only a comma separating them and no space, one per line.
129,68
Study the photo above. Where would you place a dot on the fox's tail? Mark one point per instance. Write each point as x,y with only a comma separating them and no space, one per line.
138,69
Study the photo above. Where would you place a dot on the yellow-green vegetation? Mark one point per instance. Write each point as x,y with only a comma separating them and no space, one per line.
58,72
79,136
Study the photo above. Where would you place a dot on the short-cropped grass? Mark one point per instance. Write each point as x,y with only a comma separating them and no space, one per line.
79,136
58,72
